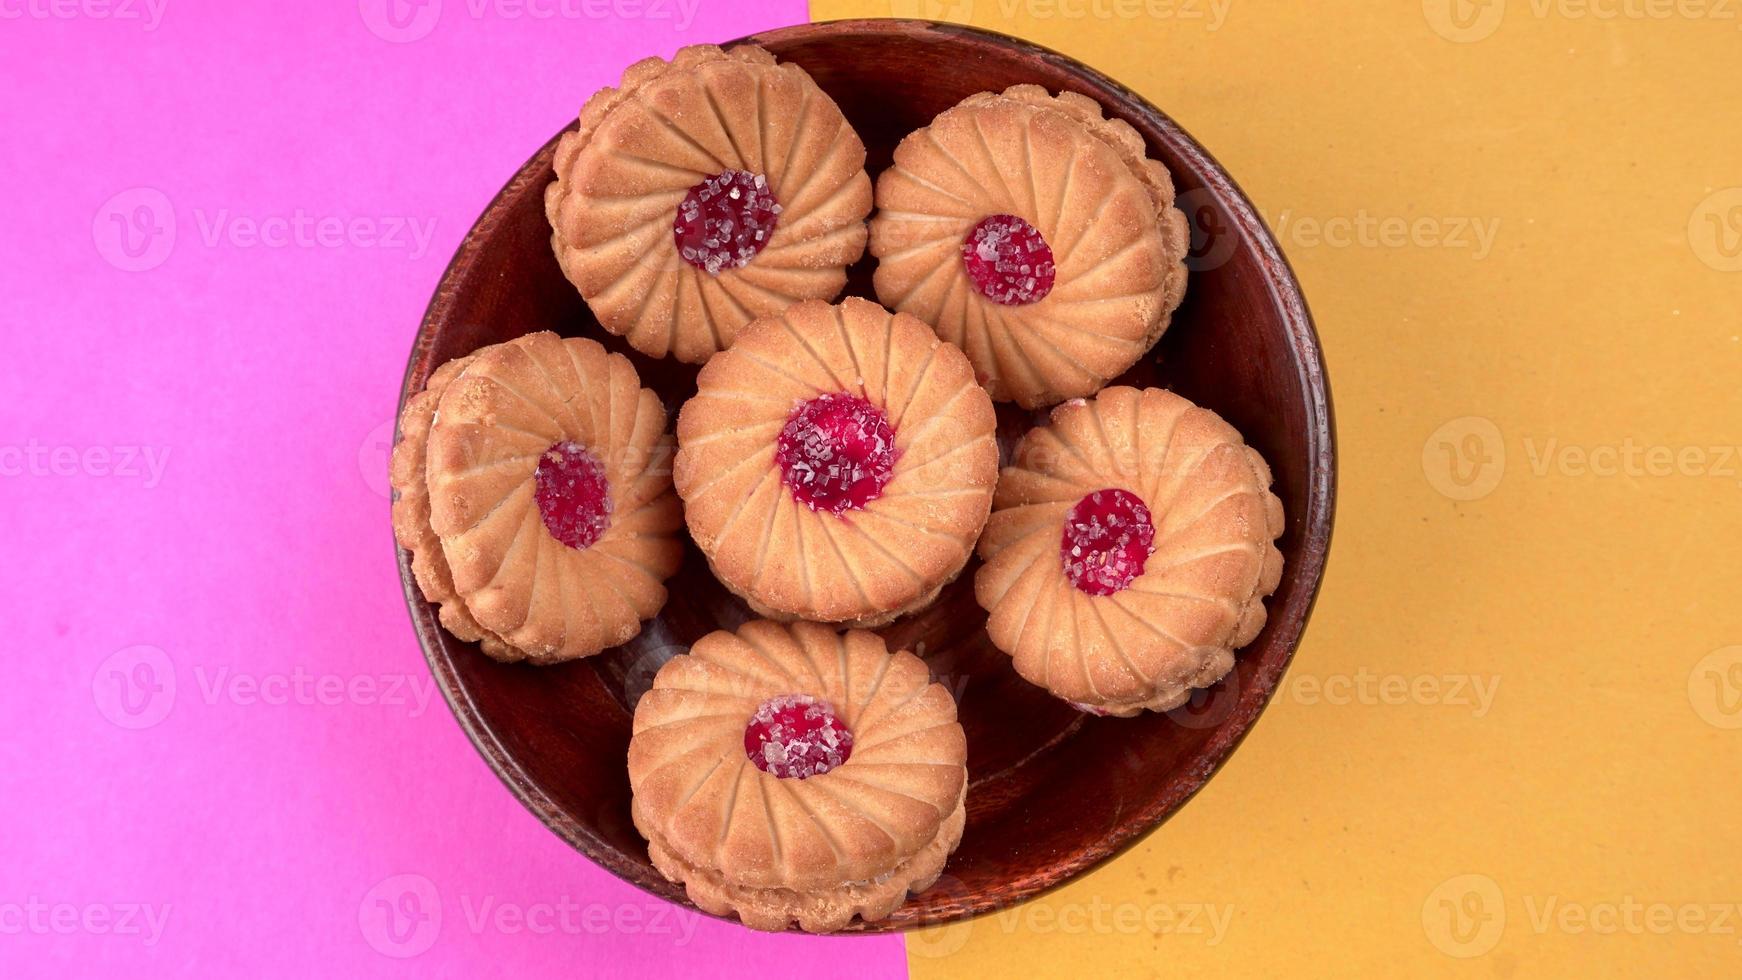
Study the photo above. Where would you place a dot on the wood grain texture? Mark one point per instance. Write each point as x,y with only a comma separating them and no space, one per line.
1242,344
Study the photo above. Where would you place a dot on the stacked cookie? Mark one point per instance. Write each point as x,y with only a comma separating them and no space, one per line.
531,491
836,464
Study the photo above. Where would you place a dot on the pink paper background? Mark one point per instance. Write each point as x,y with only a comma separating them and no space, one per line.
216,705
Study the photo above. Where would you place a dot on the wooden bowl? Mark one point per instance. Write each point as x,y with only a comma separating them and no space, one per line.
1052,792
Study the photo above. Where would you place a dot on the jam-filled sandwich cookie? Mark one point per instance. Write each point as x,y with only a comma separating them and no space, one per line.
837,463
705,192
1130,551
534,496
791,773
1035,235
407,474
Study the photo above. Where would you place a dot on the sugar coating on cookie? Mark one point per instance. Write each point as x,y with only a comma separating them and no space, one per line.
704,192
858,802
1036,235
550,498
1129,551
837,463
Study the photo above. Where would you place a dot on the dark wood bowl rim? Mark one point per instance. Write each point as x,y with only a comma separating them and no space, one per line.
1285,293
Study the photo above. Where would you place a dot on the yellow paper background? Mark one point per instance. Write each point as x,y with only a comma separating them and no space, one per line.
1585,824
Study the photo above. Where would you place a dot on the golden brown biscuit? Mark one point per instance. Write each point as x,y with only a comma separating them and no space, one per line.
703,193
411,529
550,491
1035,235
791,773
1129,551
837,463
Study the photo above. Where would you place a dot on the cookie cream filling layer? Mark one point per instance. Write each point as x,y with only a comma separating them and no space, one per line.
823,910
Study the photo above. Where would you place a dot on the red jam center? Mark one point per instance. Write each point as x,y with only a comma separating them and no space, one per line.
725,220
1008,261
572,494
836,452
1107,538
796,736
